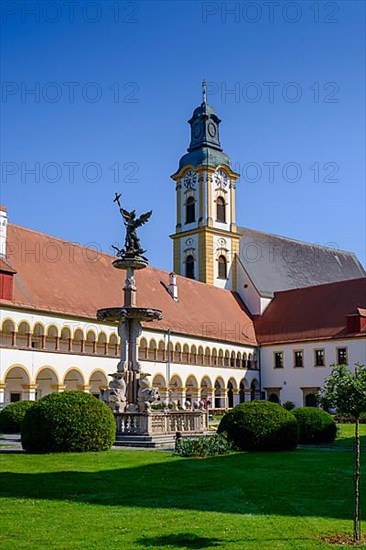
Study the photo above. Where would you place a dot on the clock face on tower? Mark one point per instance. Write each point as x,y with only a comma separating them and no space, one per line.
212,129
220,179
190,179
197,129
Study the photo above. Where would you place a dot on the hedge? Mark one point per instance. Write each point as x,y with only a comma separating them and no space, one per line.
202,446
260,426
12,416
72,421
315,426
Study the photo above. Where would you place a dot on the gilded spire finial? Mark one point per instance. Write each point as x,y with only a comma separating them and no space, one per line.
204,91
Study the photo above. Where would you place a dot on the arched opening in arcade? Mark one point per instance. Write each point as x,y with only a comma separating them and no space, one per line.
74,380
7,333
206,391
97,382
52,340
23,335
46,382
17,382
159,383
219,394
191,389
231,391
254,390
242,391
175,390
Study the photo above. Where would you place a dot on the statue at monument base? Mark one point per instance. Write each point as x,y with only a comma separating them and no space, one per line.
115,396
146,395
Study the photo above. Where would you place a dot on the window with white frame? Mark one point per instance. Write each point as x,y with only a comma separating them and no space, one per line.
319,356
298,358
222,267
342,356
278,359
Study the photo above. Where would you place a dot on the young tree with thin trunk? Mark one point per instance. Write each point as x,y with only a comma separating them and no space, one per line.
345,391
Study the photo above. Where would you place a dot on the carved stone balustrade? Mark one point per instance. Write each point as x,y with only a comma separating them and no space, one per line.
161,422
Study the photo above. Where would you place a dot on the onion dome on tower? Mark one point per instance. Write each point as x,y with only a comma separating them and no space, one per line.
204,148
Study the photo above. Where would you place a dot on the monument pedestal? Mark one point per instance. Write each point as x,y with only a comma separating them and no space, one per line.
159,428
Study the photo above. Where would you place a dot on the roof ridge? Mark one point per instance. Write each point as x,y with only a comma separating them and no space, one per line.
297,241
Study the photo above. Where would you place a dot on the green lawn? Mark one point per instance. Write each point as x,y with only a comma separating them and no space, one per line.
345,435
155,500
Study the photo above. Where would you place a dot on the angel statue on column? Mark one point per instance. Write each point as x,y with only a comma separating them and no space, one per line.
132,222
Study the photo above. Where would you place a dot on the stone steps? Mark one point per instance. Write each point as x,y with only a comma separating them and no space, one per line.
145,441
152,441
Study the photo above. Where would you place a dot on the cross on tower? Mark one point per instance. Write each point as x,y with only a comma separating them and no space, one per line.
117,196
204,91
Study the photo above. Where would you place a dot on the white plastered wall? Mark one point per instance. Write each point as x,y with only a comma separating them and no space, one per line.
32,361
291,379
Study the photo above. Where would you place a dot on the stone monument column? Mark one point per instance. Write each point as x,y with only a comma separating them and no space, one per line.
129,390
129,394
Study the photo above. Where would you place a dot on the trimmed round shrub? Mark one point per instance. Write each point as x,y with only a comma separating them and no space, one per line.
315,426
260,426
72,421
12,416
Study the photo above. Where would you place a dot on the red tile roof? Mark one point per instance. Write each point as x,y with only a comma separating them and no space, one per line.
63,278
311,313
5,267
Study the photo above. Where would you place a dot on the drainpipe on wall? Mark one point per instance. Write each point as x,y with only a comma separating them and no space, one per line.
168,364
260,372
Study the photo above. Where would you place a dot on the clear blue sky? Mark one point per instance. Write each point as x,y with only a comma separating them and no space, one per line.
156,54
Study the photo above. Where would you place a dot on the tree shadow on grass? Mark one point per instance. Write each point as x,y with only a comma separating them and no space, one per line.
349,442
286,484
186,541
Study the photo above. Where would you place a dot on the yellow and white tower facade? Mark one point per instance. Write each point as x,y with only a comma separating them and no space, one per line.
206,241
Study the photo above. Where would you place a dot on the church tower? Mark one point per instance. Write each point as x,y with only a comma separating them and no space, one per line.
206,240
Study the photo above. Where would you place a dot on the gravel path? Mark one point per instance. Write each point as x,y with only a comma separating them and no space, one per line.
10,443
